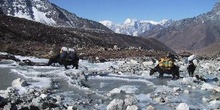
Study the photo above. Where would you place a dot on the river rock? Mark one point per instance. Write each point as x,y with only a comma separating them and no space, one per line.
176,89
43,96
130,100
182,106
186,91
150,107
116,104
19,83
115,91
217,89
3,102
204,99
159,99
71,108
132,107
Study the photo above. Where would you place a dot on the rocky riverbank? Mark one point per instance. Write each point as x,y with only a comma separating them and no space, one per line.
121,83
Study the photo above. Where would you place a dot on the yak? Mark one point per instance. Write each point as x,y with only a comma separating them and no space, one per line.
174,71
191,68
65,57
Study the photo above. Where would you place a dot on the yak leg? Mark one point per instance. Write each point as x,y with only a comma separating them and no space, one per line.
173,75
161,72
178,74
49,62
66,66
175,72
76,65
160,75
190,73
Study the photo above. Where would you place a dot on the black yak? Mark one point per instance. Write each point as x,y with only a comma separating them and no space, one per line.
166,65
191,68
66,57
174,71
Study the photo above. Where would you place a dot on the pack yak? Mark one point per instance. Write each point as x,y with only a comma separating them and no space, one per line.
166,66
67,56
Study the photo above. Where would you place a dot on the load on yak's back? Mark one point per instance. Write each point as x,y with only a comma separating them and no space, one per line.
67,53
194,59
67,56
166,63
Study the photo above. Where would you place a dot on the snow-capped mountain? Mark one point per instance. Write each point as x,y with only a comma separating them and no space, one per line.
47,13
199,34
135,27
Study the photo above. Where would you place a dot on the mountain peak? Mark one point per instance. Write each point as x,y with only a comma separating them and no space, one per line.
135,27
47,13
130,21
216,7
106,22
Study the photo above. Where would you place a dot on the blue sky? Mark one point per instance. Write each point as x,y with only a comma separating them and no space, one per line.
119,10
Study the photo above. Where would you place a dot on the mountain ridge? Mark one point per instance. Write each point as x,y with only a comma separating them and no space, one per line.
25,37
191,34
186,35
47,13
135,27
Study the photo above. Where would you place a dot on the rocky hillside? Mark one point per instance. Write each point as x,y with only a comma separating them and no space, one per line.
21,36
192,34
47,13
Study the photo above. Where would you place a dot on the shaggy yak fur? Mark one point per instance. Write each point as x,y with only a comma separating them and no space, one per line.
174,71
65,59
191,68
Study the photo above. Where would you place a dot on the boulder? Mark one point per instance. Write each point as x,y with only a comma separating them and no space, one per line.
3,102
116,104
182,106
130,101
150,107
217,89
19,82
132,107
186,91
71,108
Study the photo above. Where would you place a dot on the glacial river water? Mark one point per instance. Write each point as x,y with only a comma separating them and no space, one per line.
100,86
